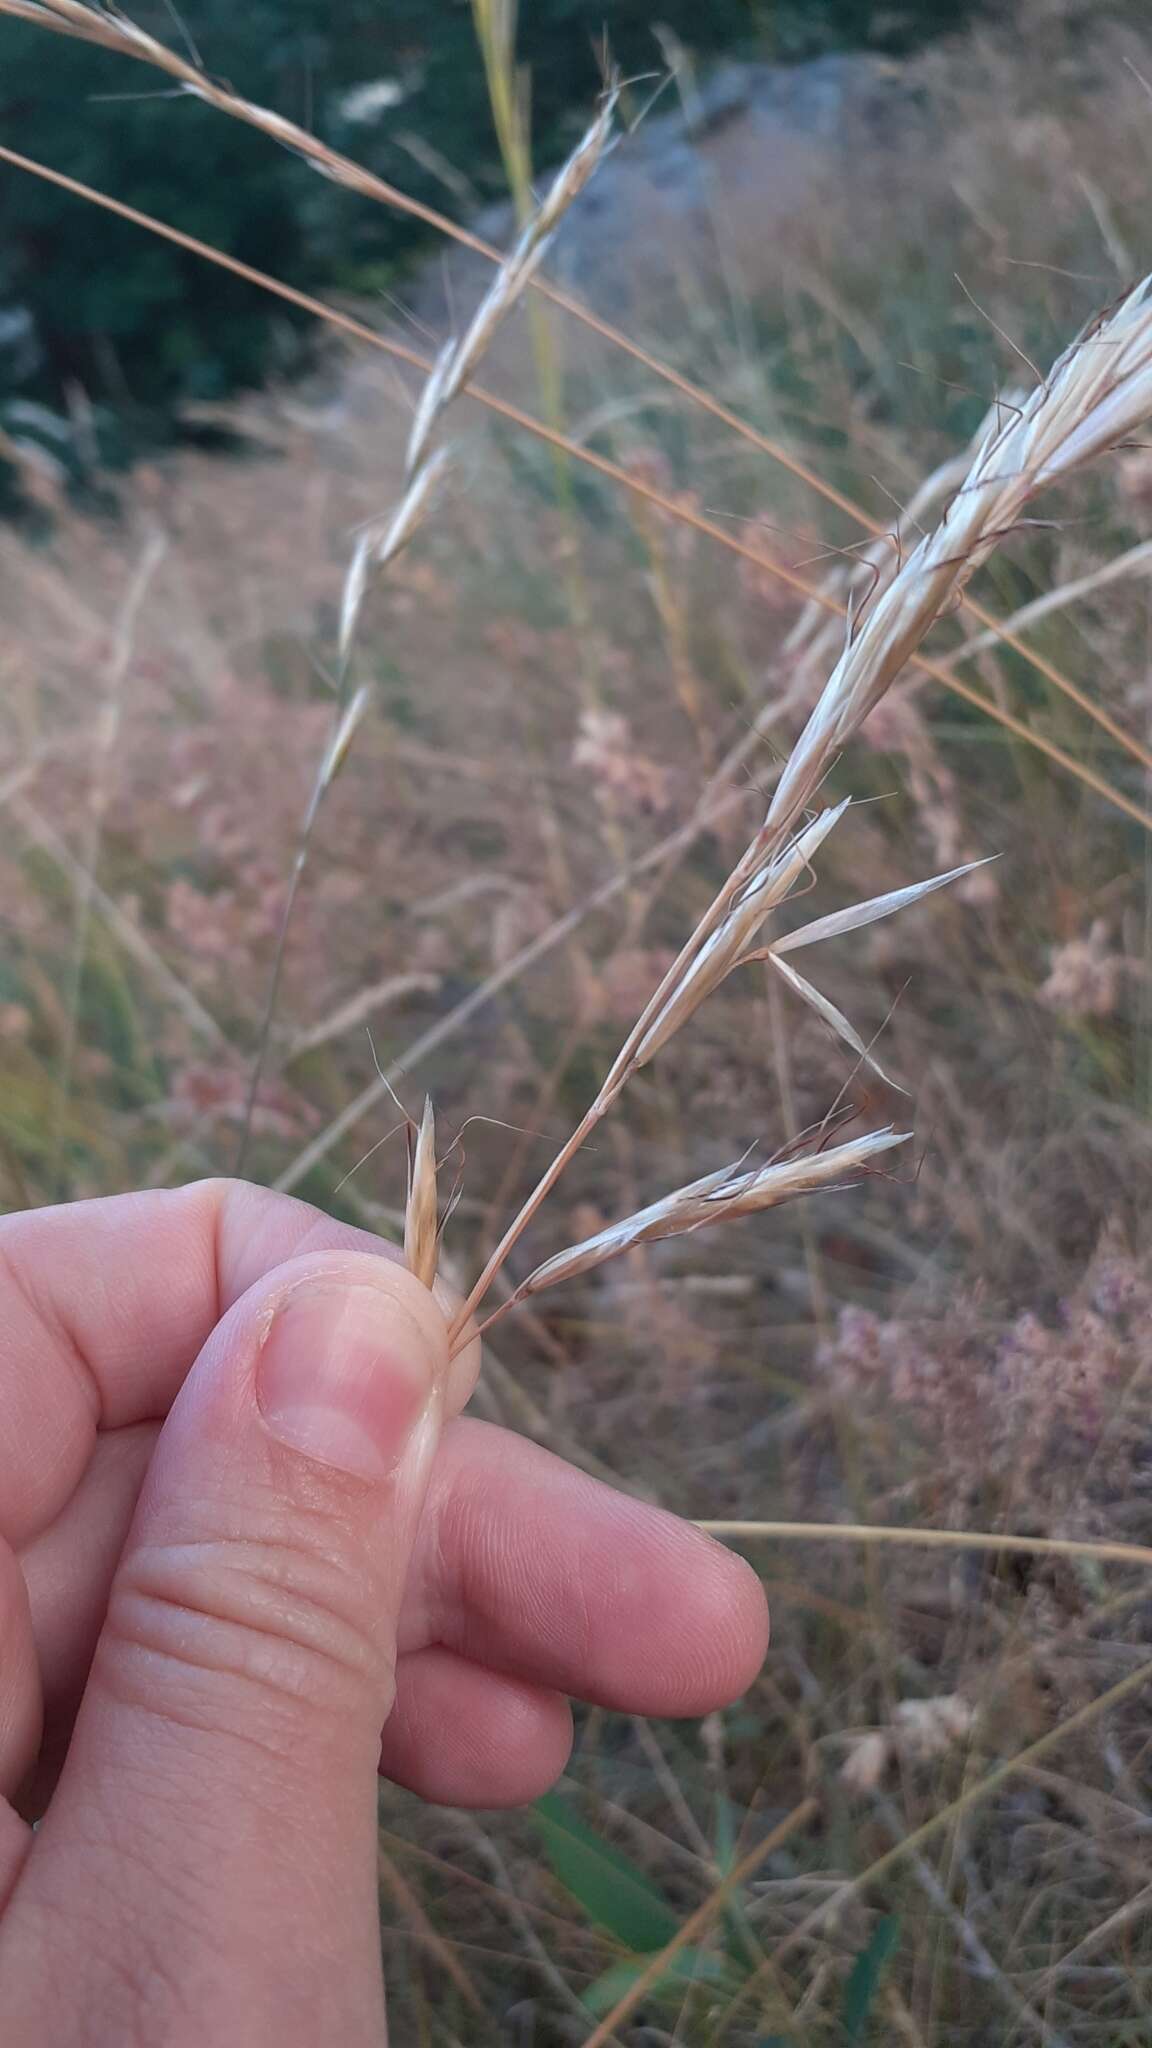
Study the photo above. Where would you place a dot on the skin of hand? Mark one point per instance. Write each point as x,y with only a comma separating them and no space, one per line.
251,1555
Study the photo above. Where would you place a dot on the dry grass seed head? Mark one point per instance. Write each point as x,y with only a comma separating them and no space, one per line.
727,946
1096,396
718,1197
456,363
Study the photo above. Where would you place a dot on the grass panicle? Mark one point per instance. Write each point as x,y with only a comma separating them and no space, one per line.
1097,395
381,542
456,364
1095,398
970,1354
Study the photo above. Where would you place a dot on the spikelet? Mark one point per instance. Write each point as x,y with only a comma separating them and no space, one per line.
852,919
731,945
380,543
728,945
456,364
1096,396
815,640
346,729
717,1198
421,1220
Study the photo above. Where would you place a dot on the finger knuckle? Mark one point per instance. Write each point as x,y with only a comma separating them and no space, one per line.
285,1626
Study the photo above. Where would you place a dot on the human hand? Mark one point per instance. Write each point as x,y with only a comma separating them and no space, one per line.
242,1531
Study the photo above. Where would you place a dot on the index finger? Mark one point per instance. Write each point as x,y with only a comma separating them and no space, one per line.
105,1304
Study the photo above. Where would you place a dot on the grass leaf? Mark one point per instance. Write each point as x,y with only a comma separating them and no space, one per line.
864,1980
613,1891
691,1966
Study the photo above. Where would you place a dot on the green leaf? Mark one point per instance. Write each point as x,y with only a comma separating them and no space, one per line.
614,1891
725,1833
741,1943
863,1983
690,1966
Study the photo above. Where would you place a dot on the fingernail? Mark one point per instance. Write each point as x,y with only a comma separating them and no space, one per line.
345,1376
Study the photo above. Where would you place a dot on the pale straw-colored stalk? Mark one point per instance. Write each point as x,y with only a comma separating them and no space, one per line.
1136,561
105,740
1096,396
348,721
934,1539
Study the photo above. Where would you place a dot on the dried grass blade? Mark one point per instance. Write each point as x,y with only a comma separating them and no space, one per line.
365,1004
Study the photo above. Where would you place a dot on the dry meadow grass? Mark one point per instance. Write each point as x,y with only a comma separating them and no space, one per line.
930,1821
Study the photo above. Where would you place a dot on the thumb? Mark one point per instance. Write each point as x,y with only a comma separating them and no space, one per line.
217,1812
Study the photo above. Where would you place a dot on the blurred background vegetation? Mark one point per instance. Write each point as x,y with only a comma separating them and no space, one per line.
395,82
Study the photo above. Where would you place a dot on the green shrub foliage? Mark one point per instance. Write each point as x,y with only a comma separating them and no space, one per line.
100,321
